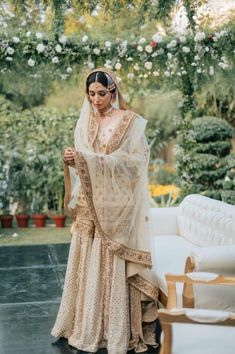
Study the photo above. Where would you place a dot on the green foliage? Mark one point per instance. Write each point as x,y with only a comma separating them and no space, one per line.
211,129
203,163
31,156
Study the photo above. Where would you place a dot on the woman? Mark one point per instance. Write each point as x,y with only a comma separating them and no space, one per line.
109,297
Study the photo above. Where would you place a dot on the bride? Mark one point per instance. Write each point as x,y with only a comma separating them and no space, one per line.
110,295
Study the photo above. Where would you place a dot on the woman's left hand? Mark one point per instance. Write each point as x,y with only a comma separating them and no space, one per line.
68,156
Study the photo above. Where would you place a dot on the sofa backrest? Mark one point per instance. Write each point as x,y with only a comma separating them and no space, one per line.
205,221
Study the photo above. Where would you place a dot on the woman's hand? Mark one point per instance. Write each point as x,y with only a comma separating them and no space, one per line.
68,156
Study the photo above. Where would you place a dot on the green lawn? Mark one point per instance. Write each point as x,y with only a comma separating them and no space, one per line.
34,236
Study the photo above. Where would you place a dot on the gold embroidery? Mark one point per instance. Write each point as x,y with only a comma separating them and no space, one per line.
120,131
122,251
92,129
145,286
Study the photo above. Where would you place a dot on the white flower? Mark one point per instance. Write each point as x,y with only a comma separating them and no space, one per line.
39,35
172,44
179,74
16,39
211,71
28,34
108,65
91,65
156,73
15,234
10,50
223,33
108,44
148,65
85,38
186,49
63,39
199,36
196,58
40,48
207,49
118,66
148,49
58,48
55,60
157,38
9,58
184,72
95,13
96,51
140,48
130,76
81,19
182,39
167,73
223,65
142,40
199,70
118,79
136,67
169,56
193,64
145,76
24,23
129,59
31,62
69,70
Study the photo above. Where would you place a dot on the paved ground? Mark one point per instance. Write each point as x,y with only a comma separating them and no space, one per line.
31,279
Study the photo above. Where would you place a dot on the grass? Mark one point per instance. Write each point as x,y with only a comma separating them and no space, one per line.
34,236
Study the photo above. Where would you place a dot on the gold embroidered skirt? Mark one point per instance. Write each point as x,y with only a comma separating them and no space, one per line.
98,307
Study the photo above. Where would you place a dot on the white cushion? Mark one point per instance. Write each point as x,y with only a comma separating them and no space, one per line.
169,253
203,339
218,259
163,221
205,221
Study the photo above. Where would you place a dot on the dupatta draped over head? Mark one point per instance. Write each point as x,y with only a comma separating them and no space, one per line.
115,188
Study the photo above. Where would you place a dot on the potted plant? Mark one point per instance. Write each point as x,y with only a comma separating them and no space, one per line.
6,218
58,214
38,210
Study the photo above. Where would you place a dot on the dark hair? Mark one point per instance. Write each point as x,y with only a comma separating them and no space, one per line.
98,76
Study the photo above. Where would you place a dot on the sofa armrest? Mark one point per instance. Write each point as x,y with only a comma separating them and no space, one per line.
217,259
163,221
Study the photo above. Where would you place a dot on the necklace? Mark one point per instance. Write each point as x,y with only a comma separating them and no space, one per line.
104,118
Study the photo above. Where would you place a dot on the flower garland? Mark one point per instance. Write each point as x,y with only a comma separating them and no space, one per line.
158,58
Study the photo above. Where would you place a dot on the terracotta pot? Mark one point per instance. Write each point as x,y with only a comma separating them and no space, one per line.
39,220
6,220
23,220
59,220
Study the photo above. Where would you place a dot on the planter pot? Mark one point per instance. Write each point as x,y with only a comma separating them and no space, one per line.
59,220
23,220
39,220
6,221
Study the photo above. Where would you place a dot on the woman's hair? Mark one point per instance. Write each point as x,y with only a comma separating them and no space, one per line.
103,78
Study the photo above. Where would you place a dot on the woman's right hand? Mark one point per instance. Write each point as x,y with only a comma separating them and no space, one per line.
68,156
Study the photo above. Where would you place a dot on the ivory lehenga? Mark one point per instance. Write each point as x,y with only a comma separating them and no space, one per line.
110,295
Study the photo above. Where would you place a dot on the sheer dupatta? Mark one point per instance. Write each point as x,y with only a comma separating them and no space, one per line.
115,184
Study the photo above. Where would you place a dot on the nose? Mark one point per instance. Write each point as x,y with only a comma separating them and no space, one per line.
96,99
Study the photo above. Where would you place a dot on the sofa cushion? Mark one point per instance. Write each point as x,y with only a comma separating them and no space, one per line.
169,253
205,221
163,221
202,339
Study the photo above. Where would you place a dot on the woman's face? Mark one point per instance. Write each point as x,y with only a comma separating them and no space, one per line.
99,96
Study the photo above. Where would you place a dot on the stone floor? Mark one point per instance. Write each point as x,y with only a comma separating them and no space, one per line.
31,278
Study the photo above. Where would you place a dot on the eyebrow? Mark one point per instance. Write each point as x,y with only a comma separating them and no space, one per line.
91,91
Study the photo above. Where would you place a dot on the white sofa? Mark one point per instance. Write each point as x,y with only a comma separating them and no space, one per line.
200,231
